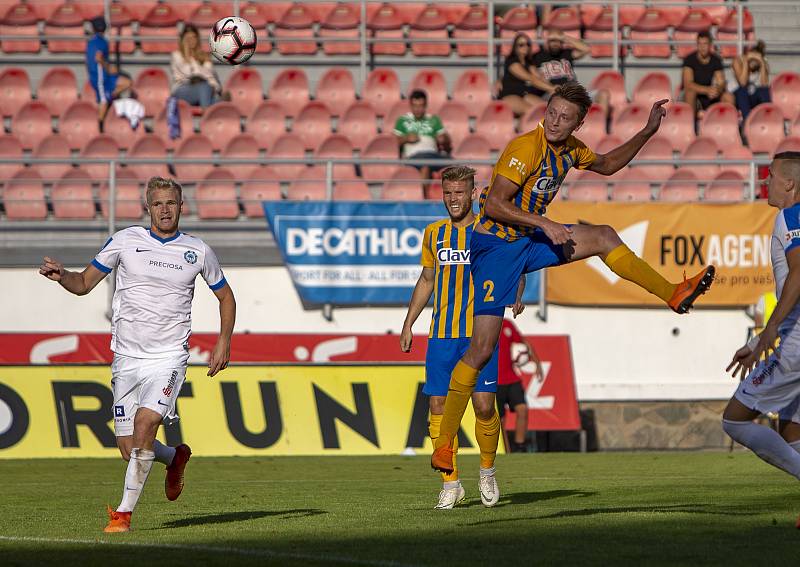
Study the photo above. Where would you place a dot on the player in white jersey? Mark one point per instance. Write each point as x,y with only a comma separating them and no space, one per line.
773,386
150,328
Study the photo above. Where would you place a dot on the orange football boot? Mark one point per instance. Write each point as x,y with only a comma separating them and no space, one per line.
118,521
689,290
442,458
173,483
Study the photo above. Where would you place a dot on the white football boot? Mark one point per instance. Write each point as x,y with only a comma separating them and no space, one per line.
487,486
449,497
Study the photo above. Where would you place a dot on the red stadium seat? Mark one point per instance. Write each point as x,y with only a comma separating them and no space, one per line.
614,83
629,120
601,27
455,118
476,147
244,84
728,30
795,125
313,124
321,10
789,144
566,19
594,126
432,82
10,147
764,128
148,146
694,21
652,87
682,186
651,26
383,146
337,146
152,89
216,196
267,123
79,123
44,8
72,196
336,89
608,143
23,196
387,23
194,146
589,186
381,90
221,123
632,185
532,119
734,151
473,91
359,124
351,190
678,125
430,24
66,20
517,19
273,11
657,147
242,146
785,89
137,8
604,46
54,146
129,203
100,147
703,148
263,185
400,108
58,89
296,23
15,90
288,146
31,124
405,184
721,122
259,15
290,89
473,25
309,185
161,128
184,9
120,129
20,20
121,19
719,12
497,125
727,186
159,22
410,11
342,22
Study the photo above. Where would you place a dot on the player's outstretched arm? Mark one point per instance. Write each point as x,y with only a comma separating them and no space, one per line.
419,299
79,283
616,159
221,354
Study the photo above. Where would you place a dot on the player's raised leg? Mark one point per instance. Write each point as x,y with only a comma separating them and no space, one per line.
603,241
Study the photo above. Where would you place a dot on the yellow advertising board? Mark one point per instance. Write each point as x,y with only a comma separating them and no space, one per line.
673,238
66,411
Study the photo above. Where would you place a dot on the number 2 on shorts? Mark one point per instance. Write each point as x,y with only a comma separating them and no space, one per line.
488,285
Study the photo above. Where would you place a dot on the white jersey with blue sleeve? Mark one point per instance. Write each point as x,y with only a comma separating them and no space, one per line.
785,237
152,304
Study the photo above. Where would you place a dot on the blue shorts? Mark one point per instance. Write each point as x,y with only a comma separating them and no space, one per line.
497,265
109,84
441,358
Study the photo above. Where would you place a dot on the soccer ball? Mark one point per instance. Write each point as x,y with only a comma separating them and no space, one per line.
232,40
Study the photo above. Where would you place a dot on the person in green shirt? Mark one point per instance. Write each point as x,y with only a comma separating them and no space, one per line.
422,135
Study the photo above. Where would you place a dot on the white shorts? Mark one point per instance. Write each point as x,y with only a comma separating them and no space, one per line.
152,383
774,384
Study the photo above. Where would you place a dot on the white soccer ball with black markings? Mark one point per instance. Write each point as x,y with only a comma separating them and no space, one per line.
232,40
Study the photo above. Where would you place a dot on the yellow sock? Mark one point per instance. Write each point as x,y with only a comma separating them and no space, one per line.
629,266
434,426
462,382
488,435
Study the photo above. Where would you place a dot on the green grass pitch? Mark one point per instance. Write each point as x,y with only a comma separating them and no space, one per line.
556,509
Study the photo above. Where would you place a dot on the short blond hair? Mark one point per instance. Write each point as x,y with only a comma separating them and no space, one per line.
155,183
459,173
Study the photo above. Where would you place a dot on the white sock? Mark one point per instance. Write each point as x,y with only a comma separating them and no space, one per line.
487,472
164,453
138,468
451,484
766,443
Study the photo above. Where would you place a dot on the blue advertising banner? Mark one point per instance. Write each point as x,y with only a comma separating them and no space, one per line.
356,253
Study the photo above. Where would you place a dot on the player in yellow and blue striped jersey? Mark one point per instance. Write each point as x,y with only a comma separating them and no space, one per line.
446,276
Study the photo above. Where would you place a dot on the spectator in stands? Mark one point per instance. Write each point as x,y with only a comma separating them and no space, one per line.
703,76
752,79
106,80
422,135
193,78
522,86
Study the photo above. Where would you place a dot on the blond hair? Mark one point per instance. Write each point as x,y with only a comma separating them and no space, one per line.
155,183
459,173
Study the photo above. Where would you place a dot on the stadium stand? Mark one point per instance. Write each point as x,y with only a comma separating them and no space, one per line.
242,146
57,89
682,186
71,196
129,198
267,123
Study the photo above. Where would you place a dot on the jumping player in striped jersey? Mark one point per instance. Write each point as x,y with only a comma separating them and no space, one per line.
446,275
513,237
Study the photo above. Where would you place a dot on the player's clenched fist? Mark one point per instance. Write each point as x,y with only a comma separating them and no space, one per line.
52,269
